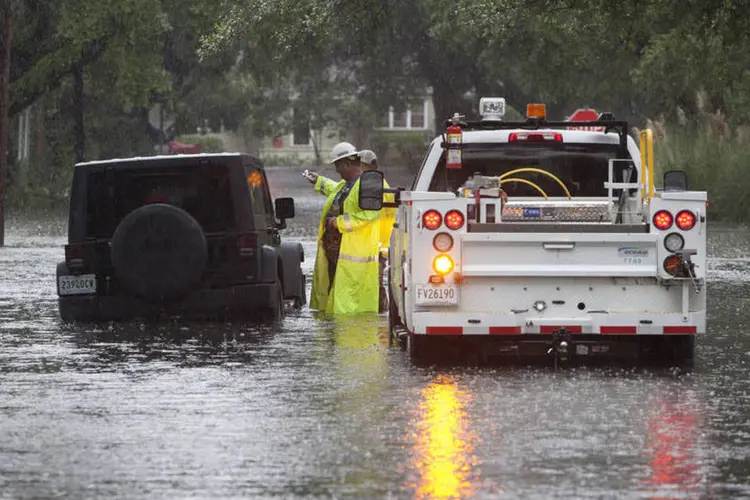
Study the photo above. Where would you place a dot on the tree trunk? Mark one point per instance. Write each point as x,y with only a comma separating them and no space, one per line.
6,36
446,104
79,133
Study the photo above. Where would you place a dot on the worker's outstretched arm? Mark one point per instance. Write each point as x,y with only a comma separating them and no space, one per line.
325,186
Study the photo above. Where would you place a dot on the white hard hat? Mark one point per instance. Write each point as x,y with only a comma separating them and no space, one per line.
342,150
367,156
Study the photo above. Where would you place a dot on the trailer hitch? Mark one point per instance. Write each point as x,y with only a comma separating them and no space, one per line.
561,347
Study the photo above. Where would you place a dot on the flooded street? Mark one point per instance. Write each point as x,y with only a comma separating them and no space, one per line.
322,407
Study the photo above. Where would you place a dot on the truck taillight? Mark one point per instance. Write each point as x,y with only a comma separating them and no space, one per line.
673,265
432,219
454,219
535,137
663,220
442,242
685,220
74,256
246,245
442,264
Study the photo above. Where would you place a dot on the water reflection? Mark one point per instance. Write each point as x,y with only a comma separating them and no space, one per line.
444,458
673,441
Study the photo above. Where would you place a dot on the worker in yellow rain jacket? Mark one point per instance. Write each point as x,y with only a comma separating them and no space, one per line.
345,277
385,221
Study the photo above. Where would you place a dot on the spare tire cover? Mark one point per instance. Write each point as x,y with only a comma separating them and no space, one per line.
159,251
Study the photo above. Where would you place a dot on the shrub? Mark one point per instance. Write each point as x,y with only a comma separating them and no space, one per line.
715,157
404,148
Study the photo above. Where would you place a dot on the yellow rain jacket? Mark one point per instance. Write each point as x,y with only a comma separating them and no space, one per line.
355,285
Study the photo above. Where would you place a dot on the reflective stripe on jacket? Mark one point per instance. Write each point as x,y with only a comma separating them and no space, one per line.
355,286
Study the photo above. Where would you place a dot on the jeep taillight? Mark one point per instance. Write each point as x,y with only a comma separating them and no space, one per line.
74,256
454,220
432,219
246,245
663,220
685,220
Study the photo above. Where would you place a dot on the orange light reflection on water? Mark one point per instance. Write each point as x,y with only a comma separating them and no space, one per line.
443,452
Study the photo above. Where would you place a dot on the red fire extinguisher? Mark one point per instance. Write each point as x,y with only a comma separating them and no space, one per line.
453,138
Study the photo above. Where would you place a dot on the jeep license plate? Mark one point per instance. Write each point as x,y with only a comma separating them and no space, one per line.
76,285
436,295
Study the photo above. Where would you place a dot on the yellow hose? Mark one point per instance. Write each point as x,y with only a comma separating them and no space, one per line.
538,170
524,181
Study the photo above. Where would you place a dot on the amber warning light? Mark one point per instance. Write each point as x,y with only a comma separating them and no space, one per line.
536,110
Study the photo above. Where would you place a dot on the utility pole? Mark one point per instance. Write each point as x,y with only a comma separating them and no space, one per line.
6,36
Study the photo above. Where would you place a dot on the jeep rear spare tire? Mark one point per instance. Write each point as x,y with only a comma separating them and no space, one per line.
159,252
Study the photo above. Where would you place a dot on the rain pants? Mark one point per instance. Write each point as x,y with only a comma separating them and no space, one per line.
355,284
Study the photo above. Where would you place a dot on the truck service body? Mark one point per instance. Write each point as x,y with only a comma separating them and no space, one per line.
585,259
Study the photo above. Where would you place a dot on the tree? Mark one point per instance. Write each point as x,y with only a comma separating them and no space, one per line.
6,37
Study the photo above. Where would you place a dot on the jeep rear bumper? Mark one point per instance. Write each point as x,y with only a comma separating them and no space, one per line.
237,301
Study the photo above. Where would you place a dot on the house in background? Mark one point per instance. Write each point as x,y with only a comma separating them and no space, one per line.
298,146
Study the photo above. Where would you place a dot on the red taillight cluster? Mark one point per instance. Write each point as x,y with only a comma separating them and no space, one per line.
684,220
432,220
535,137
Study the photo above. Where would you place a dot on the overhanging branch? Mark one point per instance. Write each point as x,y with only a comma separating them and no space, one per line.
48,73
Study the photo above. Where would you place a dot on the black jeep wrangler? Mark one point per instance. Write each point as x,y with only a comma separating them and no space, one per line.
177,236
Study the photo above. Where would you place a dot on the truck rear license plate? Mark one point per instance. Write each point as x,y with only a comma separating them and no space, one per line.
436,295
76,285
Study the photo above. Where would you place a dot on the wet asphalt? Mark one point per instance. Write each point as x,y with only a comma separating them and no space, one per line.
322,407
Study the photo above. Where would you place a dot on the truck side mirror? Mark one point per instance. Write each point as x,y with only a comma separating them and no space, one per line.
371,190
284,208
675,180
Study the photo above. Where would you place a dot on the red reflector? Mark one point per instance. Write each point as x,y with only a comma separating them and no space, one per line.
454,219
436,279
535,137
685,220
432,219
663,220
570,328
505,330
677,330
246,245
445,330
74,255
618,330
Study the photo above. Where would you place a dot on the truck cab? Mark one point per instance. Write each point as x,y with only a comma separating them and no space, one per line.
548,239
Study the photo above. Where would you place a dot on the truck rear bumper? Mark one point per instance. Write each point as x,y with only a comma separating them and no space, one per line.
473,324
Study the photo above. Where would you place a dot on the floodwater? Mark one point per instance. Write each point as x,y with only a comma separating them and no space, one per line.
322,407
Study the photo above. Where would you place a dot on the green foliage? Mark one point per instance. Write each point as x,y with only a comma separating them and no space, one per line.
209,143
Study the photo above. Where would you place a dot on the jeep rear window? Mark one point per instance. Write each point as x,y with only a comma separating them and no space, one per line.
583,168
202,191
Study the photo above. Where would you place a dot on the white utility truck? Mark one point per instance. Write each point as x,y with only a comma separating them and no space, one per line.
542,238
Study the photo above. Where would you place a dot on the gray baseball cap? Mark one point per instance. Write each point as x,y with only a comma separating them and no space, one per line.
367,156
